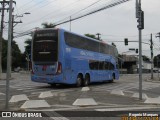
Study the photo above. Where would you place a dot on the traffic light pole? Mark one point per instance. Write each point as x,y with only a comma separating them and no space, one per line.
140,16
140,64
151,58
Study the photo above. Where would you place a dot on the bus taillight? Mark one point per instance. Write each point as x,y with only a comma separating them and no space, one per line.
59,68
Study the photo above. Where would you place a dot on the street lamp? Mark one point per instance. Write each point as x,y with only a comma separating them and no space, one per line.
26,13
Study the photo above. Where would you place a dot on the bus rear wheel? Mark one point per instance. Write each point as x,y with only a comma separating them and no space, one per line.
86,80
112,80
53,84
79,81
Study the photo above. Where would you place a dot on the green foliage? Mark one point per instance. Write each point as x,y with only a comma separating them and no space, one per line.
28,46
156,61
16,55
145,58
91,36
4,54
26,52
48,25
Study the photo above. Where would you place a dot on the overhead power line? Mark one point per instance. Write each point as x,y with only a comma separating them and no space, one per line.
57,11
92,12
24,5
28,32
82,9
95,11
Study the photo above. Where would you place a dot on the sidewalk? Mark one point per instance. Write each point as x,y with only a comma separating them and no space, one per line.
155,79
15,74
3,77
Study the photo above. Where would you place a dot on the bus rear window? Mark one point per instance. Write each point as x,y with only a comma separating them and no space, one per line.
45,46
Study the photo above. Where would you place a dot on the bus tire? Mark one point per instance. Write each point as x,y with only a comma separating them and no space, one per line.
52,84
79,81
86,80
113,77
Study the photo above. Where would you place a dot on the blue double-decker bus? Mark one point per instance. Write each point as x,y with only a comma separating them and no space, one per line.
62,57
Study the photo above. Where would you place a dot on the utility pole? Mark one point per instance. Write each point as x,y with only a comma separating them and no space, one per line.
158,35
3,3
13,25
1,37
140,16
1,32
151,58
9,53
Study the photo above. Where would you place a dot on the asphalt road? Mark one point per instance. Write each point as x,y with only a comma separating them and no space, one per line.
100,98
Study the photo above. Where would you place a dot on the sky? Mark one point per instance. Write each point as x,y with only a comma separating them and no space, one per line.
114,24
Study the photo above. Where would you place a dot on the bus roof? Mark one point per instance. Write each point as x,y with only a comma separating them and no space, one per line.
100,41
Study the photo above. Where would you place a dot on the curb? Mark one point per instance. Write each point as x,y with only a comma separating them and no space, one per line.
154,81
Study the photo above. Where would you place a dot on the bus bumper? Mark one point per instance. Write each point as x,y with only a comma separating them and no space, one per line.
47,79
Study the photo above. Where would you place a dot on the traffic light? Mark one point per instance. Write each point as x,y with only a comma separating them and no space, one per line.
140,20
136,50
126,41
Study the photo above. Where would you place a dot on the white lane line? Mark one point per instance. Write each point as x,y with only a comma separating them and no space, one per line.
84,102
153,100
45,94
85,89
136,95
17,98
124,109
35,104
117,92
59,118
2,94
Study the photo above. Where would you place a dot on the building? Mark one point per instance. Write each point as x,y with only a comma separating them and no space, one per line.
129,64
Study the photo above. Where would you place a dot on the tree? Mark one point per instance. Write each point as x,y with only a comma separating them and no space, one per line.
156,61
27,52
48,25
145,58
16,55
28,46
91,36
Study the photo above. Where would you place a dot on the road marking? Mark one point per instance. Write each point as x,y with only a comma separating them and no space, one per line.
85,102
2,94
125,109
126,86
17,98
35,104
117,92
63,106
45,94
59,118
2,84
25,88
153,100
136,95
85,89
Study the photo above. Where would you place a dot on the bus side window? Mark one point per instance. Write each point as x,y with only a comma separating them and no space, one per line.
106,66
